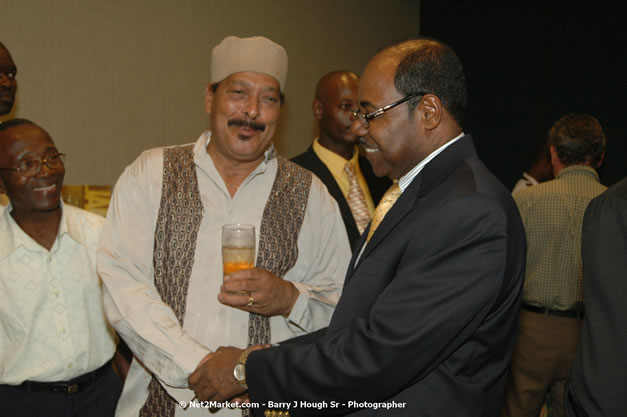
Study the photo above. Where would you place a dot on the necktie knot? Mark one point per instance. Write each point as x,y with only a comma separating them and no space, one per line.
386,203
350,170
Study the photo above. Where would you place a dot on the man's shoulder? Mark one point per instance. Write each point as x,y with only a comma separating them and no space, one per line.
615,197
306,159
84,226
291,165
618,190
83,217
155,156
547,189
149,163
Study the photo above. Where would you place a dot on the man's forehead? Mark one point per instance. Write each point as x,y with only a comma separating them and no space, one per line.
377,83
24,133
5,56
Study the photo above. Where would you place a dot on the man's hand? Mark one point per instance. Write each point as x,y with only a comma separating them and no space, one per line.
213,379
258,291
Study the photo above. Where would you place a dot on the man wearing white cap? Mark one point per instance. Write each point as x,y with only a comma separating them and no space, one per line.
160,256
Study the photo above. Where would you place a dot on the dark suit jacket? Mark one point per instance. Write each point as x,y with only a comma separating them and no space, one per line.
598,383
427,316
377,186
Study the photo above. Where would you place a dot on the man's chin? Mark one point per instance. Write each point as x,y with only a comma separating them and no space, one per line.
5,108
50,205
377,167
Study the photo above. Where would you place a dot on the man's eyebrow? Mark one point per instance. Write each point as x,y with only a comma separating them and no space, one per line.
271,88
365,104
241,83
48,149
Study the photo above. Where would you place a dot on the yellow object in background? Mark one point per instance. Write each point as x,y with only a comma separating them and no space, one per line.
94,198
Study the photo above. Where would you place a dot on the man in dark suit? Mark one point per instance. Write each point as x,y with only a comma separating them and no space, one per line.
426,321
335,149
597,382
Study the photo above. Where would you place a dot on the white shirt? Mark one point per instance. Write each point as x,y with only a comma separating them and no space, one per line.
53,323
150,327
526,181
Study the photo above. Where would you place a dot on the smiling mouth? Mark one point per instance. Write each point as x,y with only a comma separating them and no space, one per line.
45,189
367,147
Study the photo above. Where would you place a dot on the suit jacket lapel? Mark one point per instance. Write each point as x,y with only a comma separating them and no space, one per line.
400,209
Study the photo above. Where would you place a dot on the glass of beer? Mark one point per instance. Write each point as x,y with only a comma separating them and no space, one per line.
238,247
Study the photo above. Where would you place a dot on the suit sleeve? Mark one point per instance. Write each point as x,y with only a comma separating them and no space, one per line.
439,277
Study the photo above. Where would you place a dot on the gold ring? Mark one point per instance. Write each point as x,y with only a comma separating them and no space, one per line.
251,301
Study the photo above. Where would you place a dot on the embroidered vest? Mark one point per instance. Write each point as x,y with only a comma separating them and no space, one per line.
178,222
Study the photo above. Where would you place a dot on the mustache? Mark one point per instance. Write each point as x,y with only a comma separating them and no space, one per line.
243,123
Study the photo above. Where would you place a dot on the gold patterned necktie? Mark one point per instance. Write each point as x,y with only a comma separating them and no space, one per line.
386,203
356,199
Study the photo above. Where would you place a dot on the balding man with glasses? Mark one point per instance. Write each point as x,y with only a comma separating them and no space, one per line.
55,344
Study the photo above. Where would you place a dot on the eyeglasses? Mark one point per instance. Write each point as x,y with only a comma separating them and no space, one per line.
365,119
29,167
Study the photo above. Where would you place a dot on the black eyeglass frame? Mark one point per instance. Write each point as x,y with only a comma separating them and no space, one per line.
365,119
40,162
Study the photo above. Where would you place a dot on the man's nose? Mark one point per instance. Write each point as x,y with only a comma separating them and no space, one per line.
251,108
357,128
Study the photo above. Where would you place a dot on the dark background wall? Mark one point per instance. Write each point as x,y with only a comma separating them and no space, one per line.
529,64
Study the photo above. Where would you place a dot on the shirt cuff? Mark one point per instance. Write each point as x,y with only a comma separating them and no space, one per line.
299,312
180,394
189,356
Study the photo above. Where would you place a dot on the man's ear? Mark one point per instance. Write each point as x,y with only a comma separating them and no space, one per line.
554,158
430,111
317,109
600,161
2,189
209,94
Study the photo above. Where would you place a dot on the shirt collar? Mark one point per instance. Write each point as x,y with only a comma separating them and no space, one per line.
407,179
334,162
12,235
332,156
530,179
578,170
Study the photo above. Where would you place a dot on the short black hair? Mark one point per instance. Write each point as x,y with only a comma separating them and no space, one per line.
15,122
430,66
578,139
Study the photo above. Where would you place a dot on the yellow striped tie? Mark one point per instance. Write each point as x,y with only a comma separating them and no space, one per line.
386,203
356,199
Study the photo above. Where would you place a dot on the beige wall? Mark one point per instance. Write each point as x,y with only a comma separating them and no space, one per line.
109,79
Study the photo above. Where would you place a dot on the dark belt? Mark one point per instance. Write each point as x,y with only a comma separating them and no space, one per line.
575,314
66,387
